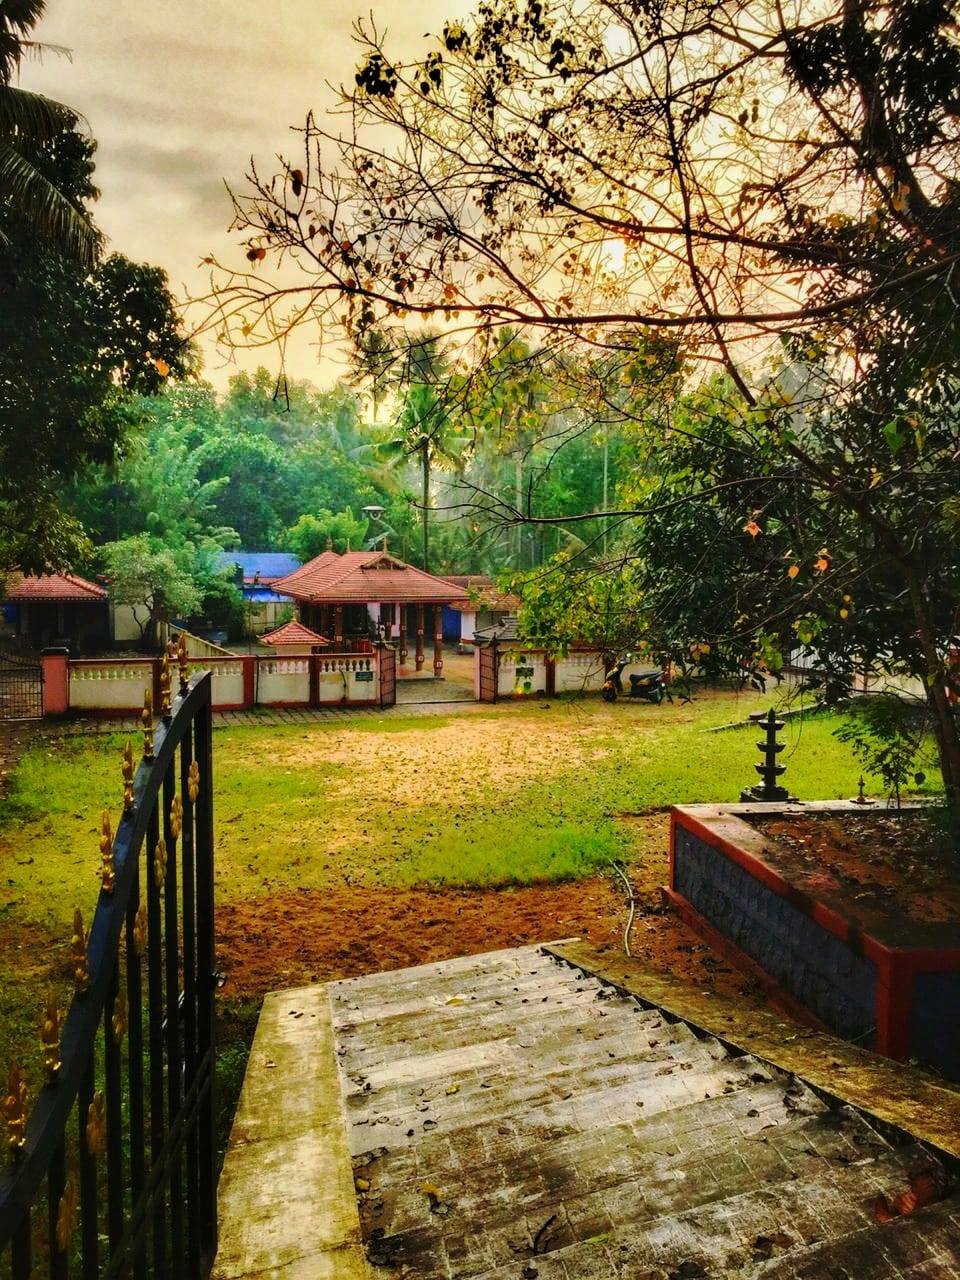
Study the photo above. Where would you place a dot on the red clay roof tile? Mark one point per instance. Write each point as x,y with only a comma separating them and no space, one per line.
52,586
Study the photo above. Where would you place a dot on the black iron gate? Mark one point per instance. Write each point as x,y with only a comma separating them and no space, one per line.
21,688
109,1168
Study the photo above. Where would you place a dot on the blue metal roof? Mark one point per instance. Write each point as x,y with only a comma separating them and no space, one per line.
263,595
268,564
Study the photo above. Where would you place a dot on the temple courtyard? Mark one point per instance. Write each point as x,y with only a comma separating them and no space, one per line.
353,842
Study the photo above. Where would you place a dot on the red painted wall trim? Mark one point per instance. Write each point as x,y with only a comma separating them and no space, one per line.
825,916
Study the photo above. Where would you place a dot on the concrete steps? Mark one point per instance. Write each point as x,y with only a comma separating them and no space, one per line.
509,1116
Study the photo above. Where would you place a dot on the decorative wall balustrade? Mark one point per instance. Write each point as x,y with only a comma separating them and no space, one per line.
116,686
108,1168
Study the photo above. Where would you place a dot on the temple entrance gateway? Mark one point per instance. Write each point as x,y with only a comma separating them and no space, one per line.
363,598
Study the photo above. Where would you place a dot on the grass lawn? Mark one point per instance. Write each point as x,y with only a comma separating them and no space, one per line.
510,795
513,795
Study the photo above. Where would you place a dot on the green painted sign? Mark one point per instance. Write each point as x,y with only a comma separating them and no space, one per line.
363,675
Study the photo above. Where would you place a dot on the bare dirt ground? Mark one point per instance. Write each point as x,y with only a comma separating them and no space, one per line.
308,936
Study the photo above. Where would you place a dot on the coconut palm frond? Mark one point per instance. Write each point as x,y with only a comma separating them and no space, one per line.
17,17
47,210
22,14
36,49
33,116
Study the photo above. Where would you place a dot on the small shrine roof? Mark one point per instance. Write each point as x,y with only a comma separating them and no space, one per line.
293,633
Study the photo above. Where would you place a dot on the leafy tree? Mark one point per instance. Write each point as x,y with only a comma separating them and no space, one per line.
155,486
887,736
162,582
74,345
255,492
145,574
738,175
313,534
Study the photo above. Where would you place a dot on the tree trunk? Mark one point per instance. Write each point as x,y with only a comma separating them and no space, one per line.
149,632
946,729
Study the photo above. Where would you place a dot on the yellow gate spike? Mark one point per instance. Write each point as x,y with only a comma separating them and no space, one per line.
108,867
13,1106
126,770
78,951
50,1036
160,863
183,661
165,686
140,929
96,1128
119,1019
66,1215
146,720
176,817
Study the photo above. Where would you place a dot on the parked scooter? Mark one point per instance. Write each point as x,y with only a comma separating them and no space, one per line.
649,685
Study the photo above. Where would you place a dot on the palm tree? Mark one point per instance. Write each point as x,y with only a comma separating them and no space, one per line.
29,122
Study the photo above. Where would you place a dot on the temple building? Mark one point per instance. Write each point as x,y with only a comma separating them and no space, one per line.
353,597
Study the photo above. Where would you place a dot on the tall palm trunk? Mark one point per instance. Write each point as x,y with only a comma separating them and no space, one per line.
425,463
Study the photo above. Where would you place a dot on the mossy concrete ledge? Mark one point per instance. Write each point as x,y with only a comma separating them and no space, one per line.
288,1208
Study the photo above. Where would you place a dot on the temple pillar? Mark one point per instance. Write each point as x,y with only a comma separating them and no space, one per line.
419,653
338,627
403,634
438,640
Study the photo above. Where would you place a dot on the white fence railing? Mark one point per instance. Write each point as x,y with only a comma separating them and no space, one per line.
116,686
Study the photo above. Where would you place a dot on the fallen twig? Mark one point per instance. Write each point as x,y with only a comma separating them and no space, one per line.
632,904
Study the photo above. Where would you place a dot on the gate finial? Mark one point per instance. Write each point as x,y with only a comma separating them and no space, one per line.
108,867
165,703
146,720
78,951
126,770
183,662
50,1036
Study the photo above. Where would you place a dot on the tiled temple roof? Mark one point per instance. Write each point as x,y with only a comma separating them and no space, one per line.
359,577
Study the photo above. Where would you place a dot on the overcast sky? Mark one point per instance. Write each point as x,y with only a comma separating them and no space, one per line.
179,95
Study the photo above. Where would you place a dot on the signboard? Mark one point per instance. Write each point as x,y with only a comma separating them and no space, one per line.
363,675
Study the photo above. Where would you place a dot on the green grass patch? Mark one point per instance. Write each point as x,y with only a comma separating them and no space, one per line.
512,795
483,850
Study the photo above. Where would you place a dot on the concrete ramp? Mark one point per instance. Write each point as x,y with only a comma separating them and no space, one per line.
511,1117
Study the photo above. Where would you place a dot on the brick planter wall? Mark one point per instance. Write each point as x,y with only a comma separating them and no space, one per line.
898,993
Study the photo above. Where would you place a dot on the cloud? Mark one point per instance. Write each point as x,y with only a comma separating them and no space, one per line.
181,95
